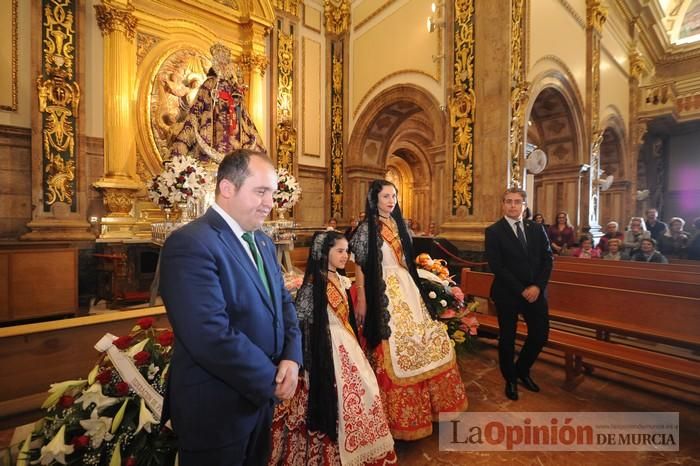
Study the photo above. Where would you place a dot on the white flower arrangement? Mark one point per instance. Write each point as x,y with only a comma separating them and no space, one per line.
183,177
288,190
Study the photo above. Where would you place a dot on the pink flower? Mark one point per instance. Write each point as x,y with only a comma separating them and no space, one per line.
448,314
469,324
457,293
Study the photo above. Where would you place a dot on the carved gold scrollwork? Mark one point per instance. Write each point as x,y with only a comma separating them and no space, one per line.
337,15
285,67
144,44
288,6
111,19
59,96
596,15
255,61
462,107
638,67
337,113
286,145
519,92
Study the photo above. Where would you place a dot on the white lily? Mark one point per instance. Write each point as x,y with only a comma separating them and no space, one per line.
146,419
56,450
97,428
94,395
138,347
58,389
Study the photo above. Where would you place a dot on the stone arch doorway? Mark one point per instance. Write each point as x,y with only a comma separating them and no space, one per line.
400,135
615,201
553,125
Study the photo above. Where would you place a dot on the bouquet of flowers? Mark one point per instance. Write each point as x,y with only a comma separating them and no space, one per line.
446,302
183,178
288,190
102,420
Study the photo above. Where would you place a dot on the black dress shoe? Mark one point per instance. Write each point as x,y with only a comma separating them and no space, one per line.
512,391
529,383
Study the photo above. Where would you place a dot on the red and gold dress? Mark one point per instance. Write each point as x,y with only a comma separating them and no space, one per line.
363,433
416,367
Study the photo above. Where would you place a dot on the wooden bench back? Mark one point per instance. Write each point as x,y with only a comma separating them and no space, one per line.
695,268
673,318
601,266
665,285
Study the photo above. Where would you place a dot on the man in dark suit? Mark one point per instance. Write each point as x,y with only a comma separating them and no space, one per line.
520,258
238,344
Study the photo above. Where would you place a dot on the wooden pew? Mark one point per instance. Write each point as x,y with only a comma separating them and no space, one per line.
694,268
33,356
665,285
647,316
601,266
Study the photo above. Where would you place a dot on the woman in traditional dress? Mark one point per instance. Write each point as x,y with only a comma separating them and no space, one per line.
410,351
336,416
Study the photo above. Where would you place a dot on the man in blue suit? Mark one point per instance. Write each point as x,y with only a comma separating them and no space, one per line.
238,344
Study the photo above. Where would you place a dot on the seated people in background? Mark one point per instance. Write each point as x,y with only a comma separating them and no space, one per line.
648,253
332,224
586,250
694,244
586,233
611,232
674,243
432,230
539,218
655,227
614,253
636,232
409,227
416,228
561,233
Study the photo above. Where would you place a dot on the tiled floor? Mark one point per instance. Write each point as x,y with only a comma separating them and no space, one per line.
485,390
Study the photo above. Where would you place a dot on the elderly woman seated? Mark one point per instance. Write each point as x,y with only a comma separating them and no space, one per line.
636,232
611,232
674,243
648,253
586,249
615,252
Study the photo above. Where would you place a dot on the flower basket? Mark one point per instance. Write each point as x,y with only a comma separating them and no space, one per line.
288,190
446,302
102,420
183,179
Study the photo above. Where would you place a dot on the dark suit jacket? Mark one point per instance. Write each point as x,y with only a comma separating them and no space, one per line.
229,333
514,268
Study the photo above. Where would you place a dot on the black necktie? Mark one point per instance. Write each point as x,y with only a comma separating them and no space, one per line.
521,235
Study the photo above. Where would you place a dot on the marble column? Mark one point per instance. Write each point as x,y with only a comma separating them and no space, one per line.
120,182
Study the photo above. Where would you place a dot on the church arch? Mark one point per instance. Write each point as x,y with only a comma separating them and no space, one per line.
555,125
402,127
615,201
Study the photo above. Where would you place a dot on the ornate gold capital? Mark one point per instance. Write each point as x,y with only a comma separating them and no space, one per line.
255,61
288,6
596,15
118,201
638,67
111,19
337,15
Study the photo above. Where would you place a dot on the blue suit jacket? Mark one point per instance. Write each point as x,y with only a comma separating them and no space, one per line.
229,333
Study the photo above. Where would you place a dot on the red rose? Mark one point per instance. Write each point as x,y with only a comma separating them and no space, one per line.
146,322
131,461
142,357
104,377
80,442
122,388
166,338
123,342
66,401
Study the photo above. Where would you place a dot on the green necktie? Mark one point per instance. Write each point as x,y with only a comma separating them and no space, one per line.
248,237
